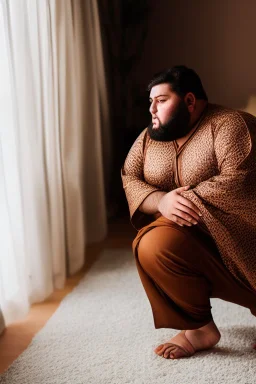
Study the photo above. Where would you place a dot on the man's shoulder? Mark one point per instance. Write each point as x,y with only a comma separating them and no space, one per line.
219,114
142,134
141,140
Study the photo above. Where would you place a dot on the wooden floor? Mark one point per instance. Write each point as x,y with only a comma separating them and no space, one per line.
17,336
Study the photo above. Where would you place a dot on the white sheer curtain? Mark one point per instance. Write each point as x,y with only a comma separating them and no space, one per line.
53,107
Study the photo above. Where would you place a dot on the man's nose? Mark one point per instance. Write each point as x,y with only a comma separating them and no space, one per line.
153,108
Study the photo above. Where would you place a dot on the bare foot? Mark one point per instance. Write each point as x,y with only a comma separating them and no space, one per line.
186,343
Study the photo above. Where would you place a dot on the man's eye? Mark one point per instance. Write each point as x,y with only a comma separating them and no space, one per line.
161,100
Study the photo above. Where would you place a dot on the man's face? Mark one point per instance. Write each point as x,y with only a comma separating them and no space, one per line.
170,115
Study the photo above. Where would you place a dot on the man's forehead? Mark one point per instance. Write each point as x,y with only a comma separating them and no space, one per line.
160,89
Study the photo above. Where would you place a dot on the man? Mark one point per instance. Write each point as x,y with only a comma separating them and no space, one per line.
190,182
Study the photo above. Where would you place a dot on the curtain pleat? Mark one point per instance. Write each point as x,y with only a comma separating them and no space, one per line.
52,148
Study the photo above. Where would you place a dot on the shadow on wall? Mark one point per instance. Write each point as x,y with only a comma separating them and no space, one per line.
217,39
251,105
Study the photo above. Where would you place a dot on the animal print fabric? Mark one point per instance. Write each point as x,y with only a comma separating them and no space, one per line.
218,161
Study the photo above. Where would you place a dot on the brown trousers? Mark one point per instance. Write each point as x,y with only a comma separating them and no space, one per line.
181,269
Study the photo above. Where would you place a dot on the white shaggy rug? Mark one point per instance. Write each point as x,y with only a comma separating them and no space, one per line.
103,333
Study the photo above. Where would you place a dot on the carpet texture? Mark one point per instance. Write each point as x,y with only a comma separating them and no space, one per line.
103,333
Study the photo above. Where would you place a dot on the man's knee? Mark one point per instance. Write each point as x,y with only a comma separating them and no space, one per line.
163,245
148,250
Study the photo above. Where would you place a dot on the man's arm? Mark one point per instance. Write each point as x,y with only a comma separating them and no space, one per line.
150,205
135,187
234,186
173,206
227,200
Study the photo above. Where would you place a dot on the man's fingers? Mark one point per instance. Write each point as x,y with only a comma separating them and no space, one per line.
184,216
185,201
190,213
182,200
180,189
178,220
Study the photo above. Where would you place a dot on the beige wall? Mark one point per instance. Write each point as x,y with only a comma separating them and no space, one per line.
217,39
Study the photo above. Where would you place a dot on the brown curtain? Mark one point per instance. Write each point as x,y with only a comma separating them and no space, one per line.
2,324
124,27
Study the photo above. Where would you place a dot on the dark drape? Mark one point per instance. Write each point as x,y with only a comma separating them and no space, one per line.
124,28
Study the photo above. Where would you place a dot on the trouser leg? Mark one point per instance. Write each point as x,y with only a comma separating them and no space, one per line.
179,274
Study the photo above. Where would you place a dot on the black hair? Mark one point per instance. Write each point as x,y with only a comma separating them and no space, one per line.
182,80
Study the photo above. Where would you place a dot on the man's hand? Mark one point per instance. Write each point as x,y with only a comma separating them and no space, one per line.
177,208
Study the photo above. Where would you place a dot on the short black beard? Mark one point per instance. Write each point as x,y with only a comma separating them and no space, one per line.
175,128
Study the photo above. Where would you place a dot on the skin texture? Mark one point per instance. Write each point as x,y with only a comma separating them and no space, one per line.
174,122
163,104
177,208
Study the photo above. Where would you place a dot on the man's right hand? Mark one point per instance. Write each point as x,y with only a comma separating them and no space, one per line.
177,208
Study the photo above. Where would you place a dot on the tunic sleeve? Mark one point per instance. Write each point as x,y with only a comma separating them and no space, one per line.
227,200
135,187
234,185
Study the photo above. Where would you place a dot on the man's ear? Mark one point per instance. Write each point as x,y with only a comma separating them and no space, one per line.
190,100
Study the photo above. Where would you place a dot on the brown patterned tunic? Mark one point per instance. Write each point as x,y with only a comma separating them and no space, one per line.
218,161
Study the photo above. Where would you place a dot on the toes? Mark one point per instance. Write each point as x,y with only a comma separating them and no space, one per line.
165,350
168,351
177,353
173,352
159,350
159,347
